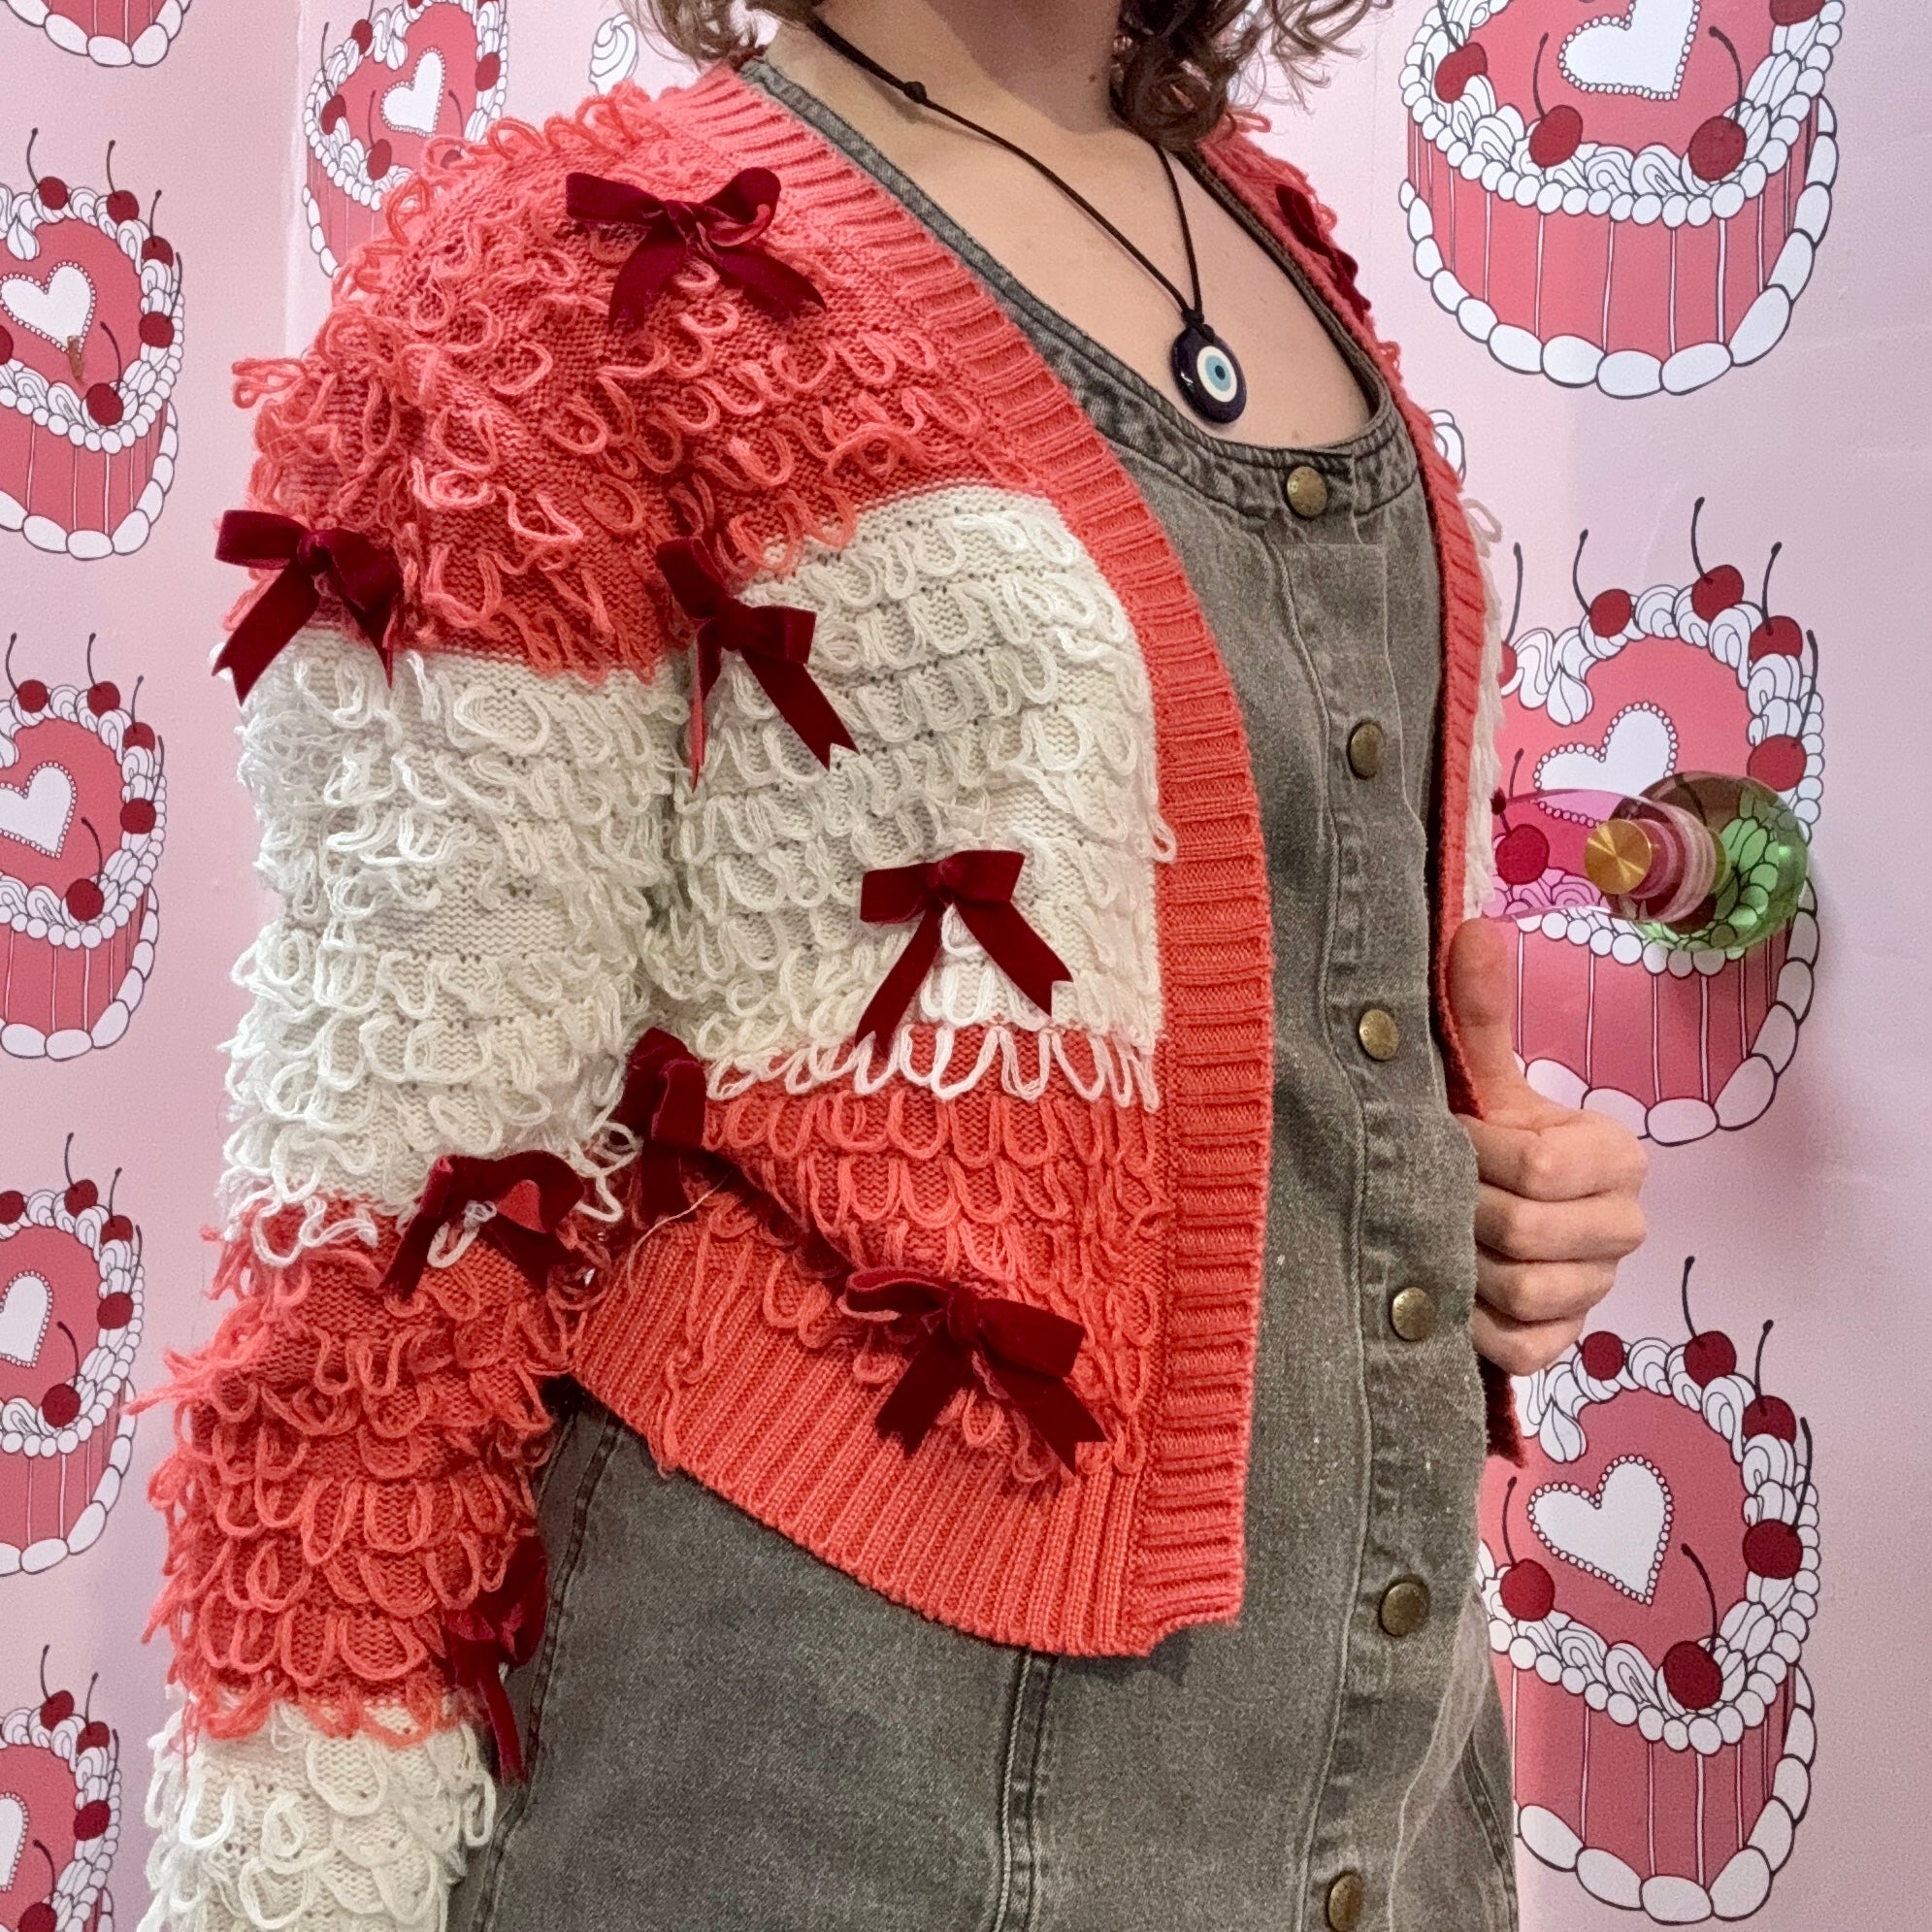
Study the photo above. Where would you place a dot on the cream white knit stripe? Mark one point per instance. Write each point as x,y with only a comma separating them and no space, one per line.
291,1830
467,861
998,698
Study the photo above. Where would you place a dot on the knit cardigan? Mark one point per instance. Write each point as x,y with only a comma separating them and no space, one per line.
554,1063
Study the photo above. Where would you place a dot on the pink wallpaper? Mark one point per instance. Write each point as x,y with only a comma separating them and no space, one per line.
1661,274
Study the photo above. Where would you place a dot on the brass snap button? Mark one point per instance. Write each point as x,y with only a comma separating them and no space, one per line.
1366,749
1404,1607
1306,490
1380,1036
1412,1313
1344,1902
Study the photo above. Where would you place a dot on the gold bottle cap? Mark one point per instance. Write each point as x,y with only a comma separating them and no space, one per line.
1617,856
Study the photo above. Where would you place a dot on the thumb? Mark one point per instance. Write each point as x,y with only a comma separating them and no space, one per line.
1479,1008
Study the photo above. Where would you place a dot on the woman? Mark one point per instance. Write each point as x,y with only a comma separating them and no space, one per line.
874,826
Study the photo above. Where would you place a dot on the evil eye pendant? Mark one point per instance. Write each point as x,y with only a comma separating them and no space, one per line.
1209,379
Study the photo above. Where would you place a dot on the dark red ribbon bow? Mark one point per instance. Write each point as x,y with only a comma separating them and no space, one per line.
503,1626
726,230
1297,210
361,573
1028,1352
662,1103
532,1194
981,885
774,640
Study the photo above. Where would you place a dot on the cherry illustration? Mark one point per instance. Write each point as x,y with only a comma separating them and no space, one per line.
1602,1355
121,203
1707,1354
1779,762
139,816
1774,636
103,694
12,1206
62,1402
1609,612
335,109
1716,590
94,1733
103,399
1523,852
113,1312
489,71
52,189
5,344
1794,12
83,899
39,1915
1558,133
117,1227
138,737
1774,1550
157,247
1718,146
81,1194
362,34
55,1706
156,328
1691,1673
31,694
1528,1590
1767,1415
1460,66
381,153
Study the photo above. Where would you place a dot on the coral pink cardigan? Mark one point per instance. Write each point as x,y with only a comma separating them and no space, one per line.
497,873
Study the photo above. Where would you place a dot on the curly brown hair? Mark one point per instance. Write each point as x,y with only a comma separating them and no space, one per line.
1175,61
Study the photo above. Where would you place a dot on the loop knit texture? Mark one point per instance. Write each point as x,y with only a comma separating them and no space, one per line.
496,873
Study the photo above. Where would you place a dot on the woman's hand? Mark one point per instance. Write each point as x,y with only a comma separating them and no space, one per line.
1559,1203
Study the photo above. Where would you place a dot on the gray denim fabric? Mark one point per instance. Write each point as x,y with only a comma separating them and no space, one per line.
730,1736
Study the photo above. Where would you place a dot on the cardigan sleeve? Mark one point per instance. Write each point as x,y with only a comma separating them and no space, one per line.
466,845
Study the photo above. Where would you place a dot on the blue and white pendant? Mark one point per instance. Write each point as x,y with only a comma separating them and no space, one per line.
1209,379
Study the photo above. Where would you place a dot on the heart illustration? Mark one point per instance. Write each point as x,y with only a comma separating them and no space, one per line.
1637,750
13,1836
59,309
412,105
1642,53
1618,1534
24,1309
40,815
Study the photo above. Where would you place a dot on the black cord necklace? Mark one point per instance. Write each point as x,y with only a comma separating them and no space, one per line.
1206,370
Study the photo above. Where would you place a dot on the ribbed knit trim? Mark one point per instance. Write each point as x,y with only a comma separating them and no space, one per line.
1119,1557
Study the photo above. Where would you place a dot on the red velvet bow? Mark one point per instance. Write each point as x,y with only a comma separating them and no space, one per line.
726,230
1028,1352
981,885
362,573
662,1103
1297,210
774,640
532,1194
503,1626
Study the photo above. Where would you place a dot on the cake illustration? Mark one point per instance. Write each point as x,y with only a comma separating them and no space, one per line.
1699,675
59,1814
1651,1575
114,33
1628,194
401,80
613,52
91,344
69,1324
84,809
